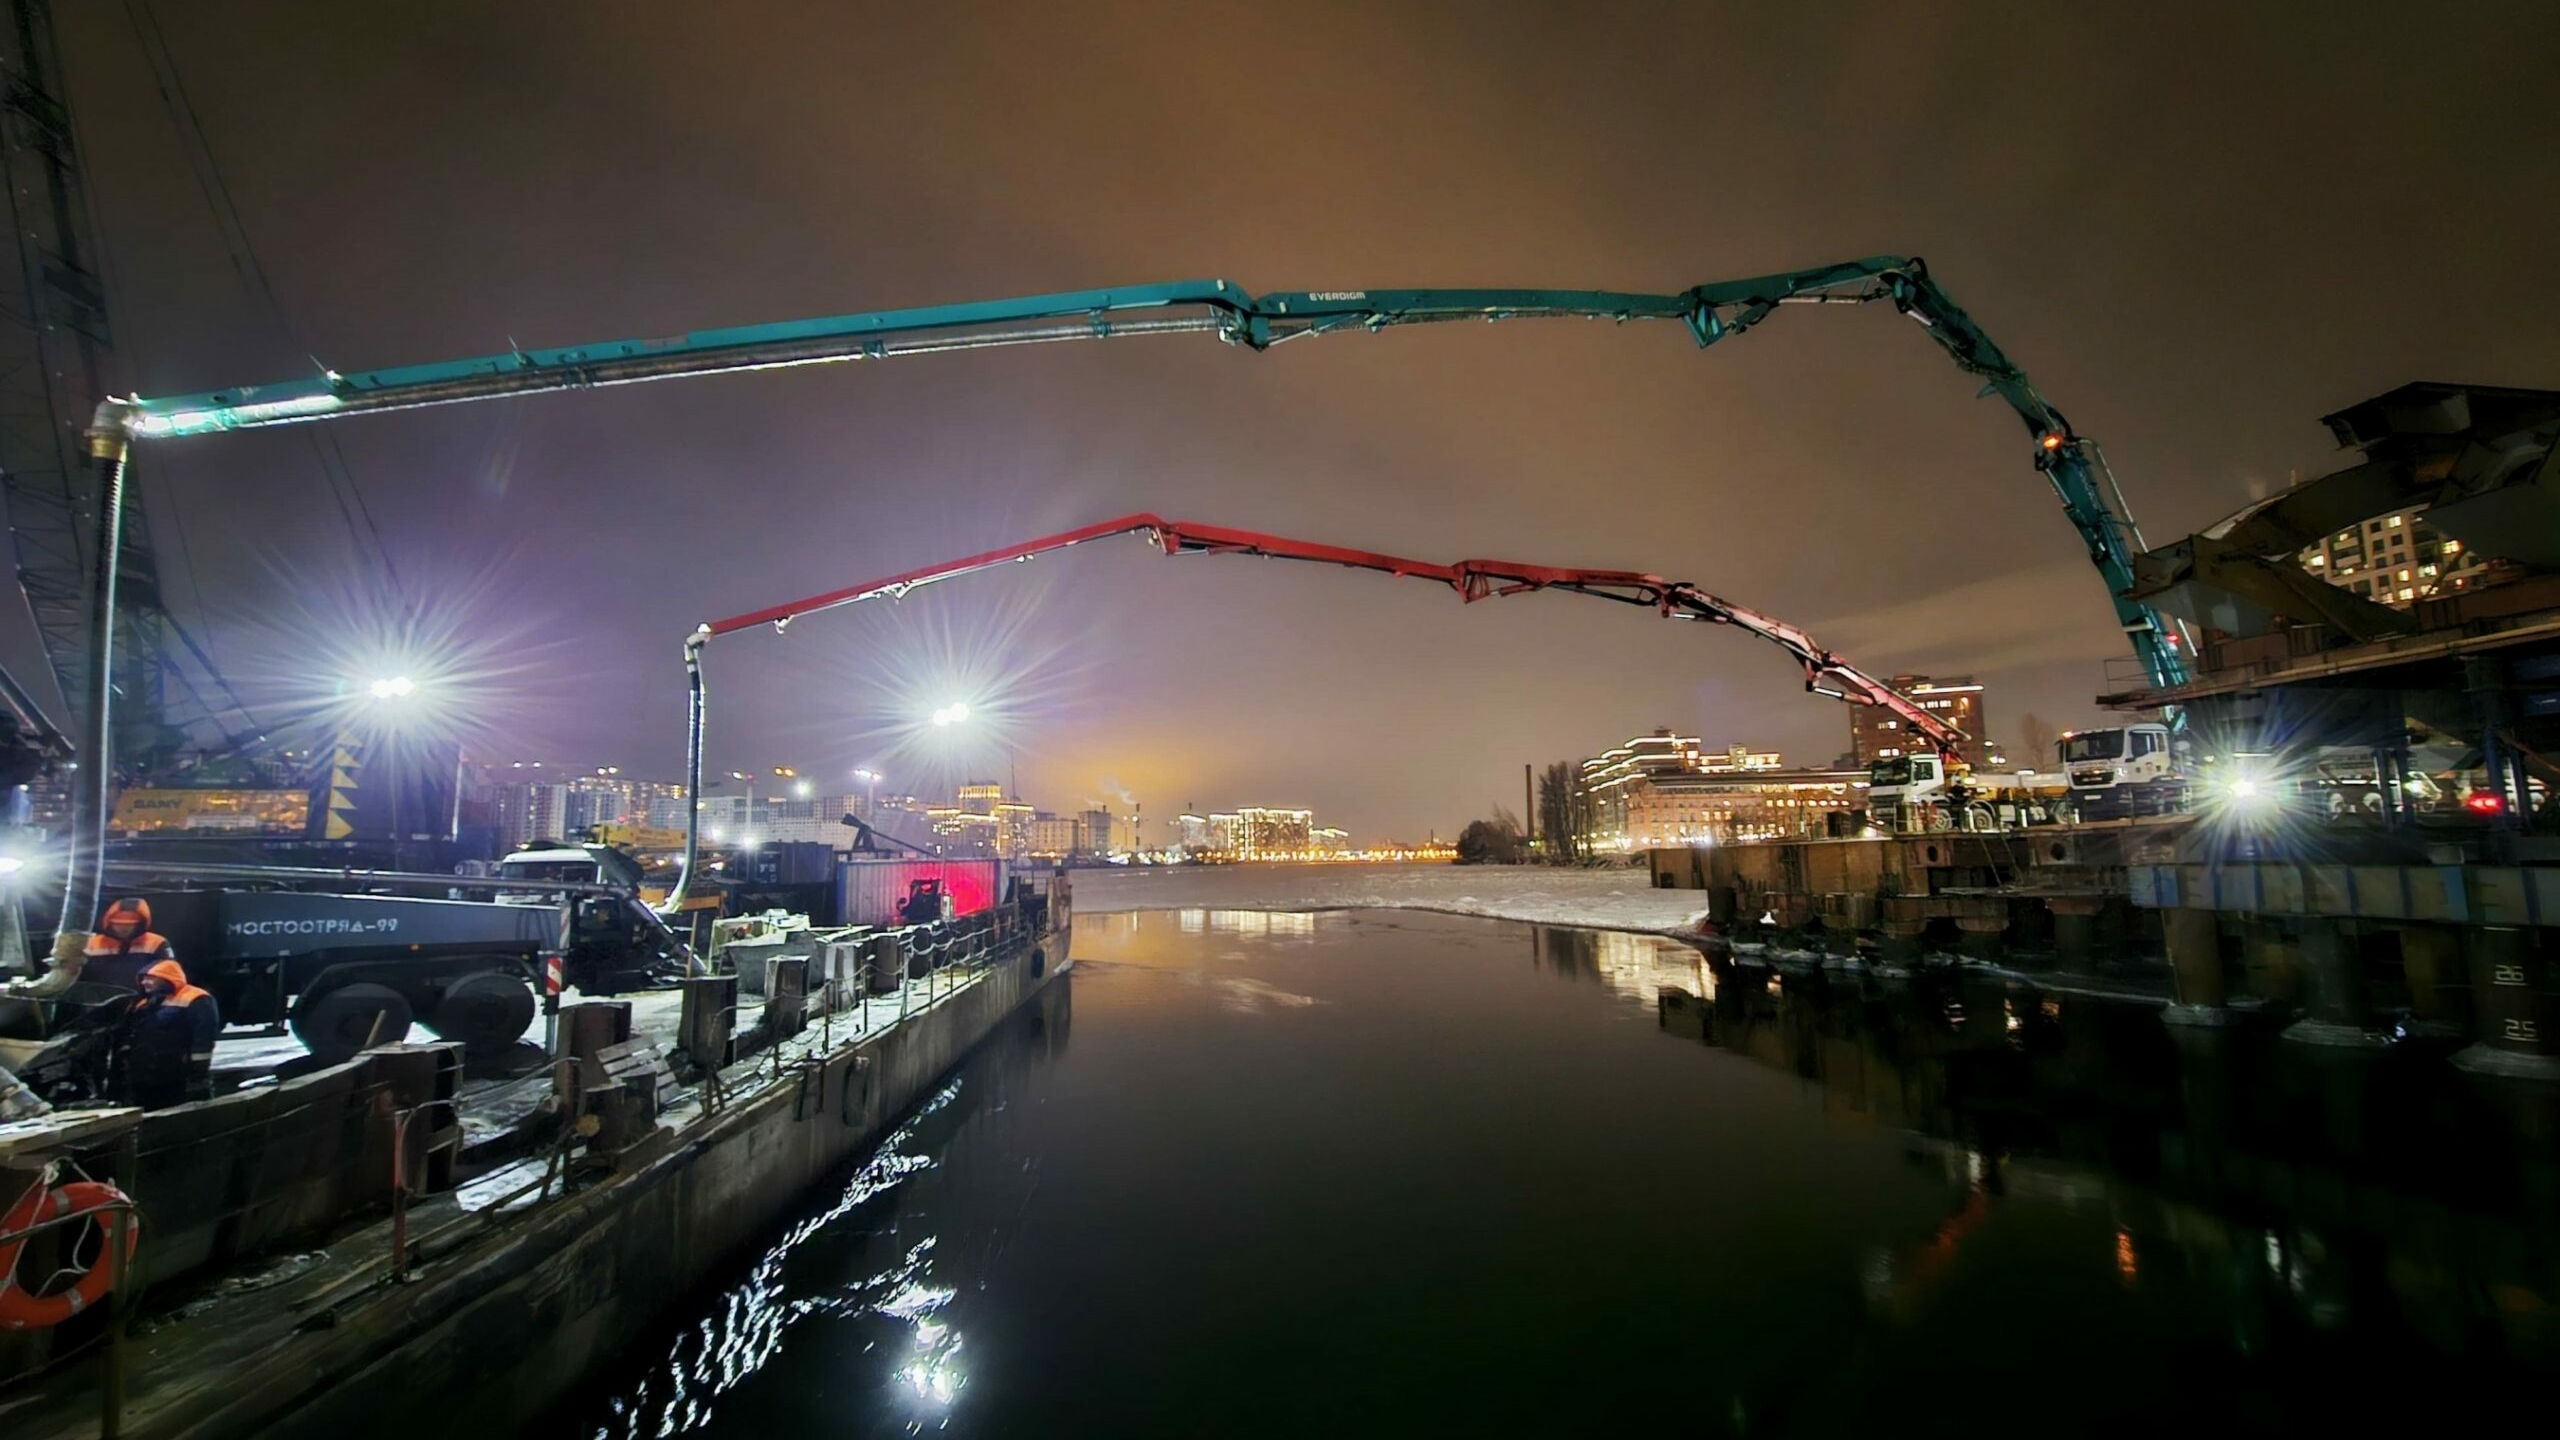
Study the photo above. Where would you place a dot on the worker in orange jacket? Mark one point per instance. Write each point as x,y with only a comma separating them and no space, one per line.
115,953
123,946
168,1058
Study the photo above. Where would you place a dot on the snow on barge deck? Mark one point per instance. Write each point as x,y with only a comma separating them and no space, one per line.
286,1294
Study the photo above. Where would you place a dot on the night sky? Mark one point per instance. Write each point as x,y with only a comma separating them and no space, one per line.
2198,228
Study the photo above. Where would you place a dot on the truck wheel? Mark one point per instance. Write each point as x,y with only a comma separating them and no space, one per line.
489,1010
337,1022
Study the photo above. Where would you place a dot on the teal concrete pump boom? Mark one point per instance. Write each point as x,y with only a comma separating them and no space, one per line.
1711,313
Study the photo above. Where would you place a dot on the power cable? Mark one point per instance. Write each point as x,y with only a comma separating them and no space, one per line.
243,255
108,273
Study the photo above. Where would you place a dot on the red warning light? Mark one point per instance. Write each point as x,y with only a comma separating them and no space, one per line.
2484,802
2051,440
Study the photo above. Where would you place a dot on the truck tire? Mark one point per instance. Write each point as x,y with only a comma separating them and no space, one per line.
484,1011
335,1023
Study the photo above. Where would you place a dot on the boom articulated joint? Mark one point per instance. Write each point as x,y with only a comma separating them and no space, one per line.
110,432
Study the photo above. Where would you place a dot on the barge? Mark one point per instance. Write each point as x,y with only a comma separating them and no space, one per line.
338,1253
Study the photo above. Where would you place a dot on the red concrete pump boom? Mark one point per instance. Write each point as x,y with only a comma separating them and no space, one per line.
1824,672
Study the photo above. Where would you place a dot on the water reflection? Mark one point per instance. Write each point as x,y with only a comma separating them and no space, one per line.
736,1337
2305,1194
1384,1179
1633,965
1259,924
817,1269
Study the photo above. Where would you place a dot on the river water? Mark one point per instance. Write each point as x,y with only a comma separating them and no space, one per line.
1378,1172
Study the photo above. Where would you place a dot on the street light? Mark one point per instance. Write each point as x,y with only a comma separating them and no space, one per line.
952,714
393,687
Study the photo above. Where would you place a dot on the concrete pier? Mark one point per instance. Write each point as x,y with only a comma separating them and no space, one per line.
2198,978
2300,941
1985,936
2337,995
2075,931
2270,963
1899,940
2511,1005
2439,991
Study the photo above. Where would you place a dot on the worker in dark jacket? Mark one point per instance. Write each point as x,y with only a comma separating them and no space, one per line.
169,1045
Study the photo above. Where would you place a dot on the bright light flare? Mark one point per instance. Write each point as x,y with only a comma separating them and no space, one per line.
442,659
1004,660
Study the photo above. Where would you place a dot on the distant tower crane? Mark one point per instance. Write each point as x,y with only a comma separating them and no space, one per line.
55,348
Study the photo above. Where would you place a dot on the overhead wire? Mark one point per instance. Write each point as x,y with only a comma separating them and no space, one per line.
204,652
243,254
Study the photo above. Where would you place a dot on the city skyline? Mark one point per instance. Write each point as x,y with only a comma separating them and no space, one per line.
1447,440
529,800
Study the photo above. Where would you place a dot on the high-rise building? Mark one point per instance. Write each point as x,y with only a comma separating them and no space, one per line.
1097,832
2396,559
1053,837
1876,733
1273,834
1249,832
528,800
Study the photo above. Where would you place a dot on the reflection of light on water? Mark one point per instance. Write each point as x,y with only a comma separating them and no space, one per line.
1637,966
1259,924
934,1373
744,1331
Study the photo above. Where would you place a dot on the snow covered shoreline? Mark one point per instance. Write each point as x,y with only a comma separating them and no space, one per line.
1590,899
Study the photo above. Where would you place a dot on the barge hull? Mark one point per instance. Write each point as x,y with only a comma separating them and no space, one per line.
505,1328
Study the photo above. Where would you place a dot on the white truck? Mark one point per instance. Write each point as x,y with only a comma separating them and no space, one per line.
1929,792
2121,771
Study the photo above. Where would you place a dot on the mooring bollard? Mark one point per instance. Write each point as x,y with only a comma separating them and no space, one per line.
786,996
706,1023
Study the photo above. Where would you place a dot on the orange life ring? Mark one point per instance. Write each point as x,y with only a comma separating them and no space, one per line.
23,1309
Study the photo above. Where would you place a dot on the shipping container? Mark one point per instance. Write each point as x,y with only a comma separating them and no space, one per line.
788,862
869,892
